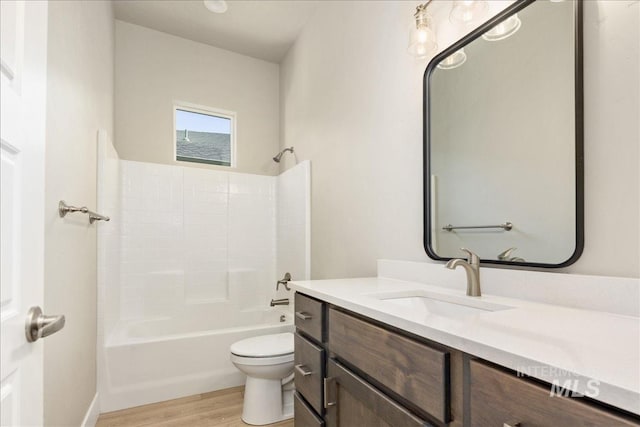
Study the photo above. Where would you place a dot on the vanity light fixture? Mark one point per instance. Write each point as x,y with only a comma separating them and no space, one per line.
454,60
422,38
505,29
468,12
216,6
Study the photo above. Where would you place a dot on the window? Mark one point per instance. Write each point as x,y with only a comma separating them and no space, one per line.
204,135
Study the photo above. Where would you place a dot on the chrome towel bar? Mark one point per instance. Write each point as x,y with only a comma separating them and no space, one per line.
64,209
507,226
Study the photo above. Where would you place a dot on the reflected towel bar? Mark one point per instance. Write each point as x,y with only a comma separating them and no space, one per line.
507,226
64,209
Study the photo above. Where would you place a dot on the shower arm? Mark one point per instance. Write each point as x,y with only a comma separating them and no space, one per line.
278,156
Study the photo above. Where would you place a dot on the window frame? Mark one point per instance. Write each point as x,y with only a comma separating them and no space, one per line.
209,111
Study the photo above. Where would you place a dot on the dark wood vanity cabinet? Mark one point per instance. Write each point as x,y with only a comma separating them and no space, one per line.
351,371
499,398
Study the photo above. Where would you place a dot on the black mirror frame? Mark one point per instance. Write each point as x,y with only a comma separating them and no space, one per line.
579,133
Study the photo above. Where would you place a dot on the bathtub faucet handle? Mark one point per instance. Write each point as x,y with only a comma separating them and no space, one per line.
284,281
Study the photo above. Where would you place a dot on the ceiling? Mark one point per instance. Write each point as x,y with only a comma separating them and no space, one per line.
262,29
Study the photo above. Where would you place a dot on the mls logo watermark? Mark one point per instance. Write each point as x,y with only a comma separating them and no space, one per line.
564,383
568,387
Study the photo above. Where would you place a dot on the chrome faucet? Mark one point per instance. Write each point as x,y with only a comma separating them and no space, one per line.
281,301
472,267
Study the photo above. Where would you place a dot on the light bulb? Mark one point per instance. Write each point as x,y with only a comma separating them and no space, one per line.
467,12
504,29
422,35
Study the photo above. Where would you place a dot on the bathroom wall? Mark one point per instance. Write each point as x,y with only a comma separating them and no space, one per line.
154,69
351,101
181,236
79,102
191,236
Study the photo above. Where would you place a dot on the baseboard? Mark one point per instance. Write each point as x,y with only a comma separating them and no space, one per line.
91,417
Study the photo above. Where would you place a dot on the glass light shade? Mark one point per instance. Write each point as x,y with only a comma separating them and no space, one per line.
422,39
505,29
468,12
422,42
454,60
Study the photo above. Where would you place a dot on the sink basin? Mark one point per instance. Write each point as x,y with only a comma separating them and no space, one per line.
432,303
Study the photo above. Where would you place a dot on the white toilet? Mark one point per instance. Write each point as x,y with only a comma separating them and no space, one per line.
268,363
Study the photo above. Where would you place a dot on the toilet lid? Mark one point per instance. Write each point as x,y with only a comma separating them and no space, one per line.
264,346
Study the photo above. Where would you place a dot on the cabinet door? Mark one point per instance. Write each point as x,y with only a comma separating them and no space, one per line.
308,369
304,415
351,401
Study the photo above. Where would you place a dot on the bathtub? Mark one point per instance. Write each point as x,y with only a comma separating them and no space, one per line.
152,360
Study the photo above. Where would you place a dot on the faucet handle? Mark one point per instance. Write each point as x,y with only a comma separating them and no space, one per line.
506,255
472,258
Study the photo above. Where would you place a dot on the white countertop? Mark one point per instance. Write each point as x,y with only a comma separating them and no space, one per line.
544,341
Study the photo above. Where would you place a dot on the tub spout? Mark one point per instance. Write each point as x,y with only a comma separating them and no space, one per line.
281,301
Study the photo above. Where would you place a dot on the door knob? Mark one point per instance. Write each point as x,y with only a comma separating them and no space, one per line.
39,326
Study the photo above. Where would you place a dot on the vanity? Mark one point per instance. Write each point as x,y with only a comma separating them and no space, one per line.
367,353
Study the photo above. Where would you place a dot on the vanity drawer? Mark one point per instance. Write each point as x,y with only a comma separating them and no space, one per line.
309,316
304,415
308,370
412,370
499,398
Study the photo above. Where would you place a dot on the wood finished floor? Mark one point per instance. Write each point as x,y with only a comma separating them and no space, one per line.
216,409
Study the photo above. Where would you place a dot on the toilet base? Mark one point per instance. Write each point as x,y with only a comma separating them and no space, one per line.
266,401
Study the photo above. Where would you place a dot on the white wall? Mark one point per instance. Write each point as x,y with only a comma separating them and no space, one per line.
154,69
352,103
79,102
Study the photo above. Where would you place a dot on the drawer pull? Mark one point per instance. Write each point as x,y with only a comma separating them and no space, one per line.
303,370
512,425
325,391
302,315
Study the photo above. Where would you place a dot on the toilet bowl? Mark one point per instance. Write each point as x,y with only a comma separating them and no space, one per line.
268,363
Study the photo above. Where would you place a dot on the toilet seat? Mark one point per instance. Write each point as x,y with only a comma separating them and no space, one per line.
265,346
262,361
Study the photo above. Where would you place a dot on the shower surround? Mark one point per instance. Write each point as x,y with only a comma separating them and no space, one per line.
187,266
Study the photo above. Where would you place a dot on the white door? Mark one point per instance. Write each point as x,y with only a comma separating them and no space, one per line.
23,51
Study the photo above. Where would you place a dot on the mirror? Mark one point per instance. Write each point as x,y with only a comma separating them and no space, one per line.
503,140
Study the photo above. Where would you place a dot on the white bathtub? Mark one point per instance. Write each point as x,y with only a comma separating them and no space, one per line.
154,360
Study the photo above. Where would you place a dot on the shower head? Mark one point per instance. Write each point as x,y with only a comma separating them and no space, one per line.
279,155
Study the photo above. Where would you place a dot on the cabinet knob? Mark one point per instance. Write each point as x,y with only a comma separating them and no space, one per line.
512,424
